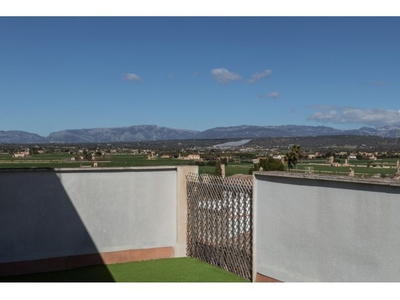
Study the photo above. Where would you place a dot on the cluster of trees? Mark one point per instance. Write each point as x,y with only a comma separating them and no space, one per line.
268,164
212,162
271,164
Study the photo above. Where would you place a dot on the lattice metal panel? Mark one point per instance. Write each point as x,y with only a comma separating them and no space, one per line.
220,222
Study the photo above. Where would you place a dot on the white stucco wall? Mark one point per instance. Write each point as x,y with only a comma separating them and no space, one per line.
46,214
320,228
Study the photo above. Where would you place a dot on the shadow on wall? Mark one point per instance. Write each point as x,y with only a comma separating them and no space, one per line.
41,231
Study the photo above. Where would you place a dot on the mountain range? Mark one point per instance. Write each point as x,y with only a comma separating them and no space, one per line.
153,132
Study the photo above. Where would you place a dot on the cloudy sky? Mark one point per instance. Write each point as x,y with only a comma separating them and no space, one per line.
196,73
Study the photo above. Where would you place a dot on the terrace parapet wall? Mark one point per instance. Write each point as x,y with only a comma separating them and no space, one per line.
316,228
55,219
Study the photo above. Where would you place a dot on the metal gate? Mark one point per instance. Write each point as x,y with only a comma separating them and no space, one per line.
219,228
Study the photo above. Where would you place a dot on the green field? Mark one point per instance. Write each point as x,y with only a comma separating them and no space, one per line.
230,169
162,270
62,161
360,167
116,160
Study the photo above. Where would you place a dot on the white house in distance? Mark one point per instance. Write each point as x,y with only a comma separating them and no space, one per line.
22,153
278,157
191,157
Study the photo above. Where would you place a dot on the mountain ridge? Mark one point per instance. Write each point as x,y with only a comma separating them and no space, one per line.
137,133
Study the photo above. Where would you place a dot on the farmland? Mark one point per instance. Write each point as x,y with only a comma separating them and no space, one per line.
64,161
116,160
363,168
385,167
238,156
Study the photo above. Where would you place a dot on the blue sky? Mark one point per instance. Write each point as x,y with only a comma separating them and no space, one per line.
197,73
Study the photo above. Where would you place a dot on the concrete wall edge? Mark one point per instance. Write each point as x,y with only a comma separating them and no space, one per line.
332,178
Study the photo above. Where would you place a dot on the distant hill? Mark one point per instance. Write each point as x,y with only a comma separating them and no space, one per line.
154,133
18,137
120,134
246,131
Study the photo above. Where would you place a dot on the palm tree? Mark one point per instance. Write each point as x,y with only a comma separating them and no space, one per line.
296,153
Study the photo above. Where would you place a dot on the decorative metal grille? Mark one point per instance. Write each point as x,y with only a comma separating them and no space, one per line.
219,222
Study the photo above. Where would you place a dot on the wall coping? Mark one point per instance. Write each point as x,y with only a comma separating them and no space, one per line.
322,177
93,169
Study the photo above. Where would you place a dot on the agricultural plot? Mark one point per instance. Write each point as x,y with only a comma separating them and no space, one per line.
141,161
64,161
39,161
230,169
366,168
116,160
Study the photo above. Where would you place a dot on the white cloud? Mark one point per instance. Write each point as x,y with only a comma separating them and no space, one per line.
132,77
351,115
274,95
222,75
331,116
259,75
323,107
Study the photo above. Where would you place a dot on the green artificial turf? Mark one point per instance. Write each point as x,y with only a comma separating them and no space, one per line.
163,270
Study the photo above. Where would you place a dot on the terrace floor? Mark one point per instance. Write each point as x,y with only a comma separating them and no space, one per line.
162,270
